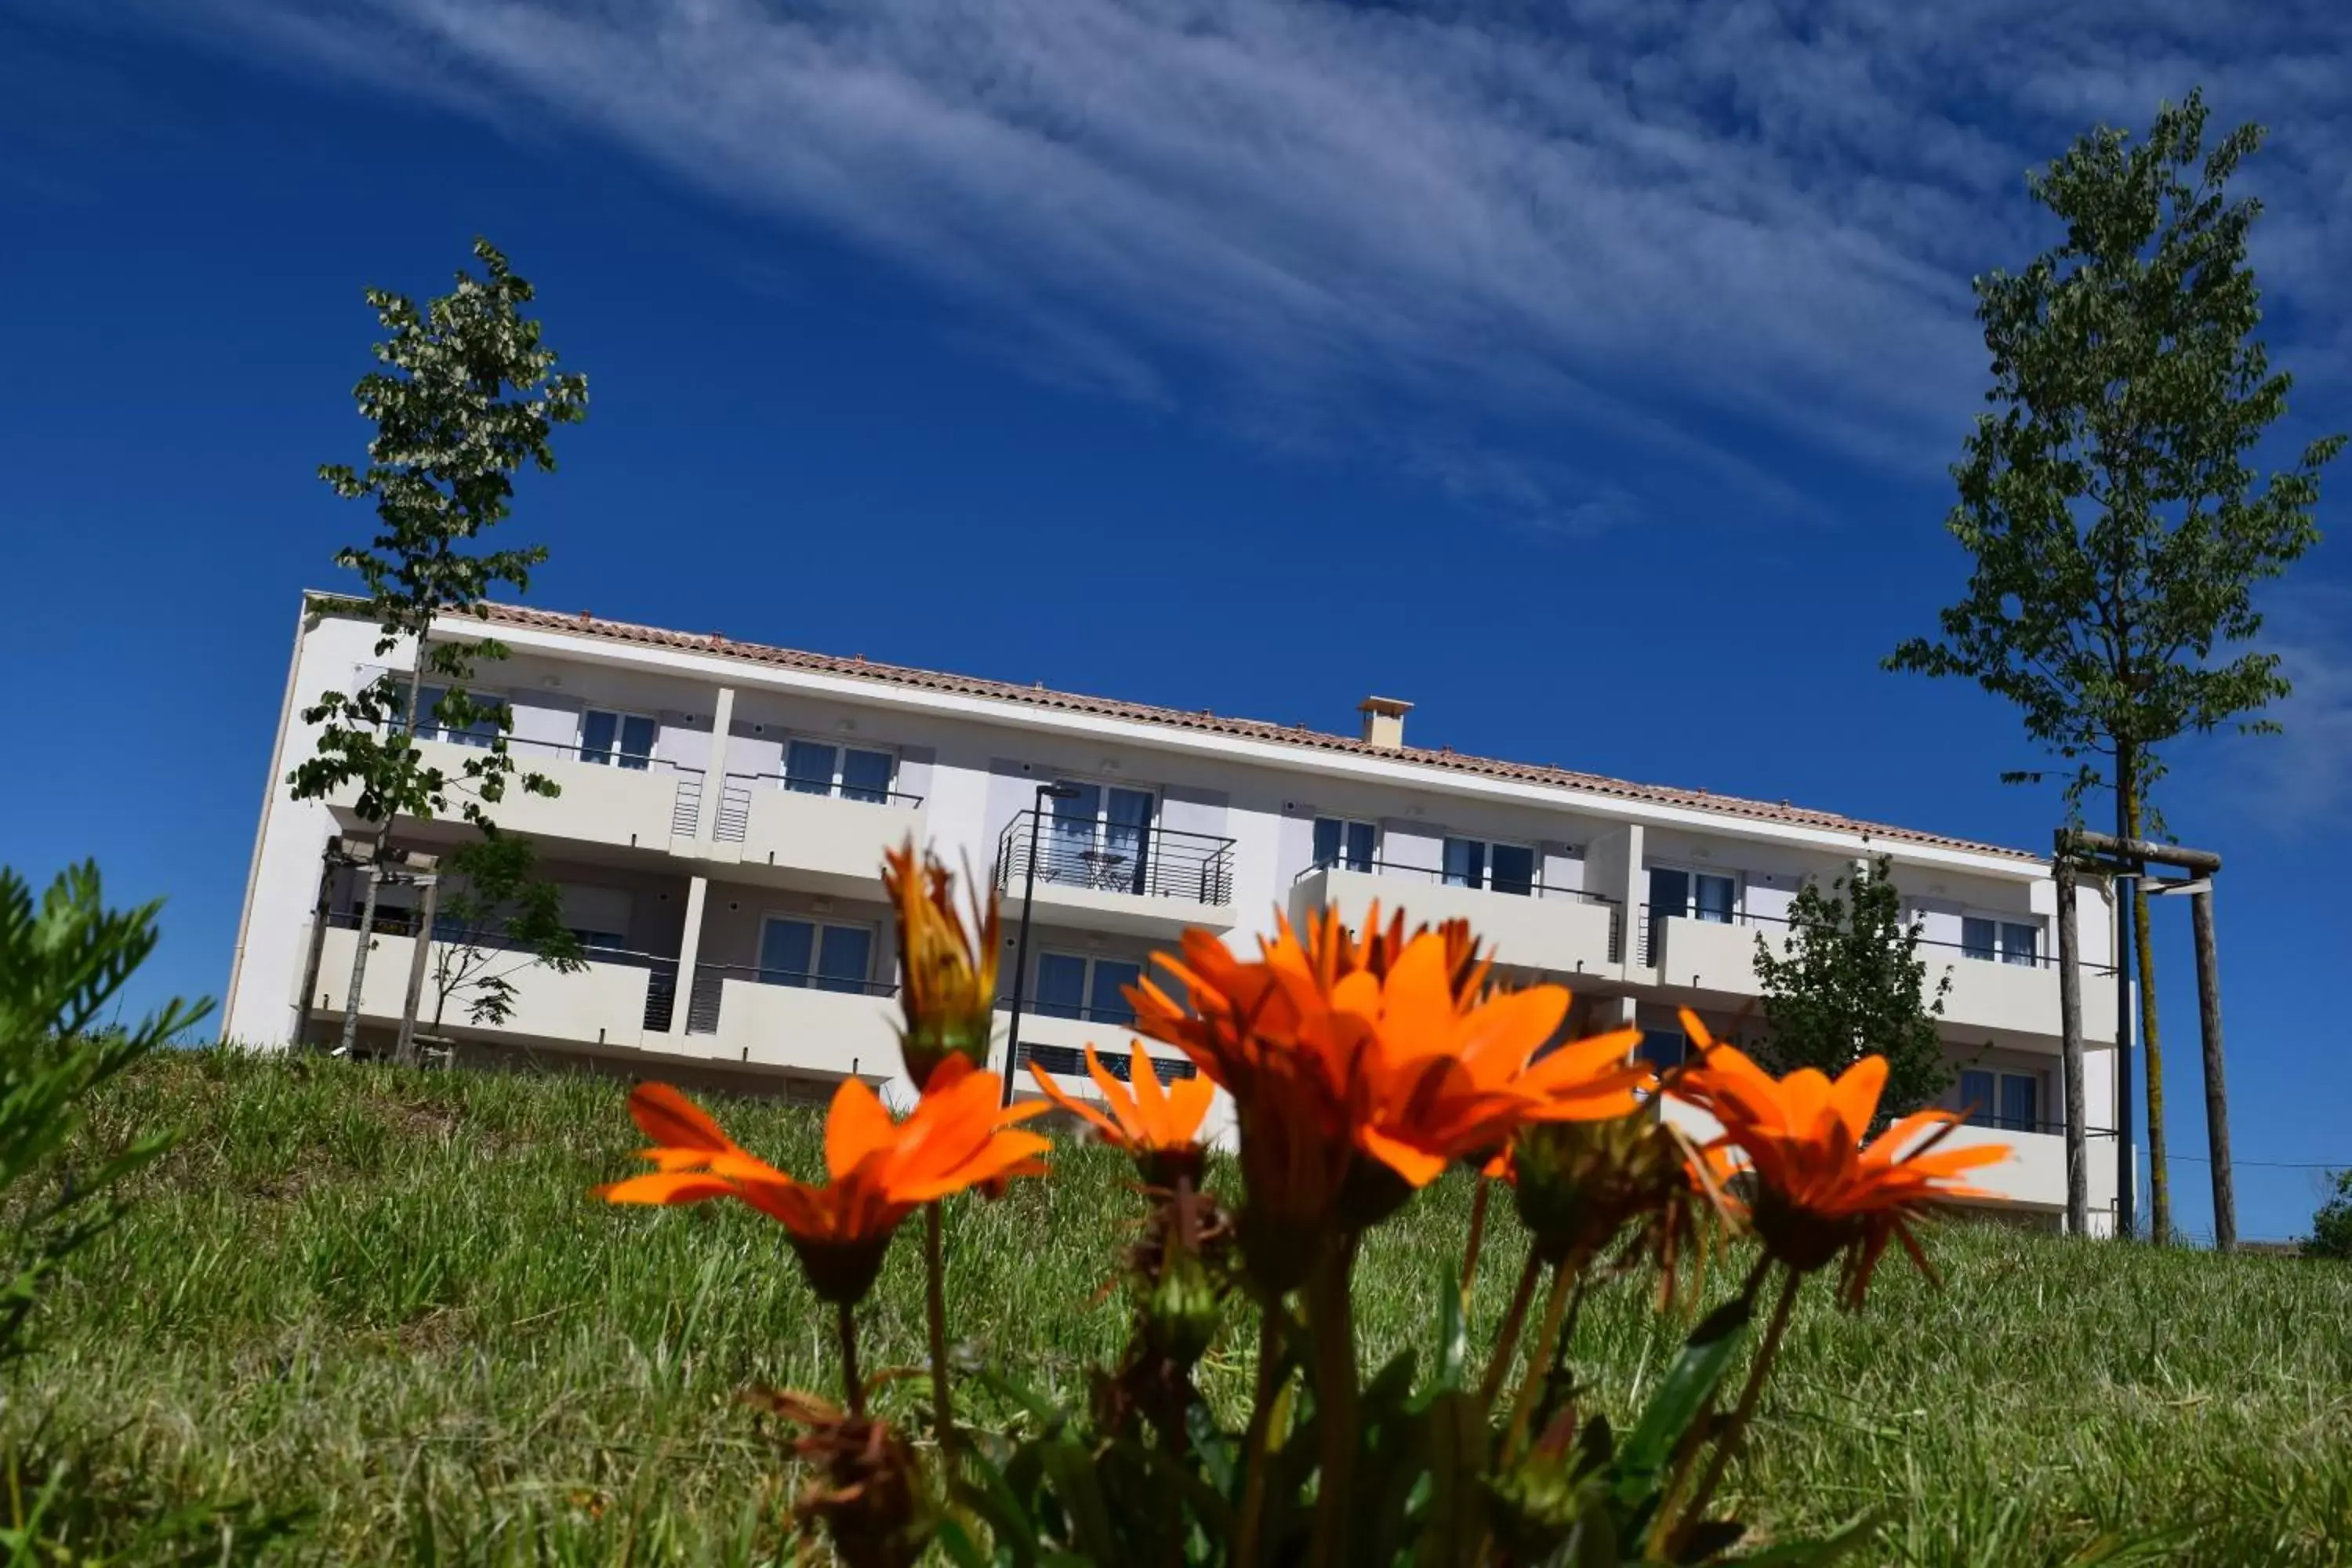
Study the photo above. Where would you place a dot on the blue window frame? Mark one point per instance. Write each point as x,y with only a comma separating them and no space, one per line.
1349,845
616,740
807,952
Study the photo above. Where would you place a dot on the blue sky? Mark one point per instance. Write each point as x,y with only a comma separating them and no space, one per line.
1615,353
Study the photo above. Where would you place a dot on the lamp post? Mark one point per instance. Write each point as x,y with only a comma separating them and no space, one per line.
1045,792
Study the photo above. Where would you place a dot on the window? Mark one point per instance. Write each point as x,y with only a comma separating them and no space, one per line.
1347,845
1663,1048
1499,868
1073,985
1694,895
599,917
623,740
807,952
1099,837
2011,941
480,732
820,767
2010,1101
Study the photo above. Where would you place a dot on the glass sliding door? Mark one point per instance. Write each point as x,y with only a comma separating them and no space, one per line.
1715,900
1127,836
1076,823
1106,1000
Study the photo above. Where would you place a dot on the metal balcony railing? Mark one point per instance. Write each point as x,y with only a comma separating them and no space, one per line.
1154,862
736,790
1069,1062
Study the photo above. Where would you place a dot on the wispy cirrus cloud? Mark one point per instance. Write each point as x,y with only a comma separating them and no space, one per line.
1635,220
2302,775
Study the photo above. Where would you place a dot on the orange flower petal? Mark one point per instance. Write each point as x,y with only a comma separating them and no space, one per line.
667,1118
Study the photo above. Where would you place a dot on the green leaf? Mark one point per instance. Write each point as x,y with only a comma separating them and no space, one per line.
1453,1357
1078,1489
1687,1388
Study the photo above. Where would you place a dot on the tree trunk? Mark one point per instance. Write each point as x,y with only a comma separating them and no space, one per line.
359,962
405,1050
317,947
2159,1186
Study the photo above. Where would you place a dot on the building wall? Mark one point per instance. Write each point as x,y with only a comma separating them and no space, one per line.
975,768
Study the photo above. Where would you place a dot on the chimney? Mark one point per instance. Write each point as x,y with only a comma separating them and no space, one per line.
1383,720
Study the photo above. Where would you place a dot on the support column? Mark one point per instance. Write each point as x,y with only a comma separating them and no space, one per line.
690,953
714,776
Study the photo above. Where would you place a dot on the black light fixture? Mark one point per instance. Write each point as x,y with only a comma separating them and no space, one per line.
1045,792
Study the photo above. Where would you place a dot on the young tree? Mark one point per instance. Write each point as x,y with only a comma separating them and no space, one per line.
63,960
497,918
468,397
2331,1226
1851,983
2117,521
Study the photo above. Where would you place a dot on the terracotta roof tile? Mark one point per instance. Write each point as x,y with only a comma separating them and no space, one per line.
1041,696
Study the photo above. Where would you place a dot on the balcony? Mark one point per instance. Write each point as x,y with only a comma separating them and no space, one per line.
629,802
1560,931
1058,1044
833,1028
1151,881
827,837
1699,954
2005,996
615,1001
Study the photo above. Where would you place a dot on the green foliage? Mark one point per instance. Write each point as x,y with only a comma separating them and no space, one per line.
2117,521
2331,1225
497,918
62,962
1852,982
469,396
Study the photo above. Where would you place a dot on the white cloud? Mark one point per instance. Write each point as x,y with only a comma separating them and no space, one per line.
2304,776
1636,221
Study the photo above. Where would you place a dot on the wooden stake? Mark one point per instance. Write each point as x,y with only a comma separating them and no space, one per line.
2217,1092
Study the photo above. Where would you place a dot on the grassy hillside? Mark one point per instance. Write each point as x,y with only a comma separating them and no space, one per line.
384,1300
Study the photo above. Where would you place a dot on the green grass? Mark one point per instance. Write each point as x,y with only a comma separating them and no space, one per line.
384,1300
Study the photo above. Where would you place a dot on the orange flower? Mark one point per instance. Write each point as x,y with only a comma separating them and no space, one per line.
1159,1128
947,985
1820,1194
879,1171
1361,1067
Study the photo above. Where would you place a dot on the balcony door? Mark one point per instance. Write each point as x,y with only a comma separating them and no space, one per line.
809,953
1101,836
1077,986
1689,895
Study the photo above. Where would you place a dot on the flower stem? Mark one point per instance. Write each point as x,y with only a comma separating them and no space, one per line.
1258,1448
1720,1461
853,1387
1567,1283
1506,1337
1332,1323
935,1287
1471,1247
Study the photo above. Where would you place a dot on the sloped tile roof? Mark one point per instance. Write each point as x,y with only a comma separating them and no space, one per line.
1041,696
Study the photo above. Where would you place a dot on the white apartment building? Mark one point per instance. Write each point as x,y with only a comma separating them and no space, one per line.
725,805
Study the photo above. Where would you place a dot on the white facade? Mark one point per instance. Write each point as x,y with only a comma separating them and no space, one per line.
724,809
